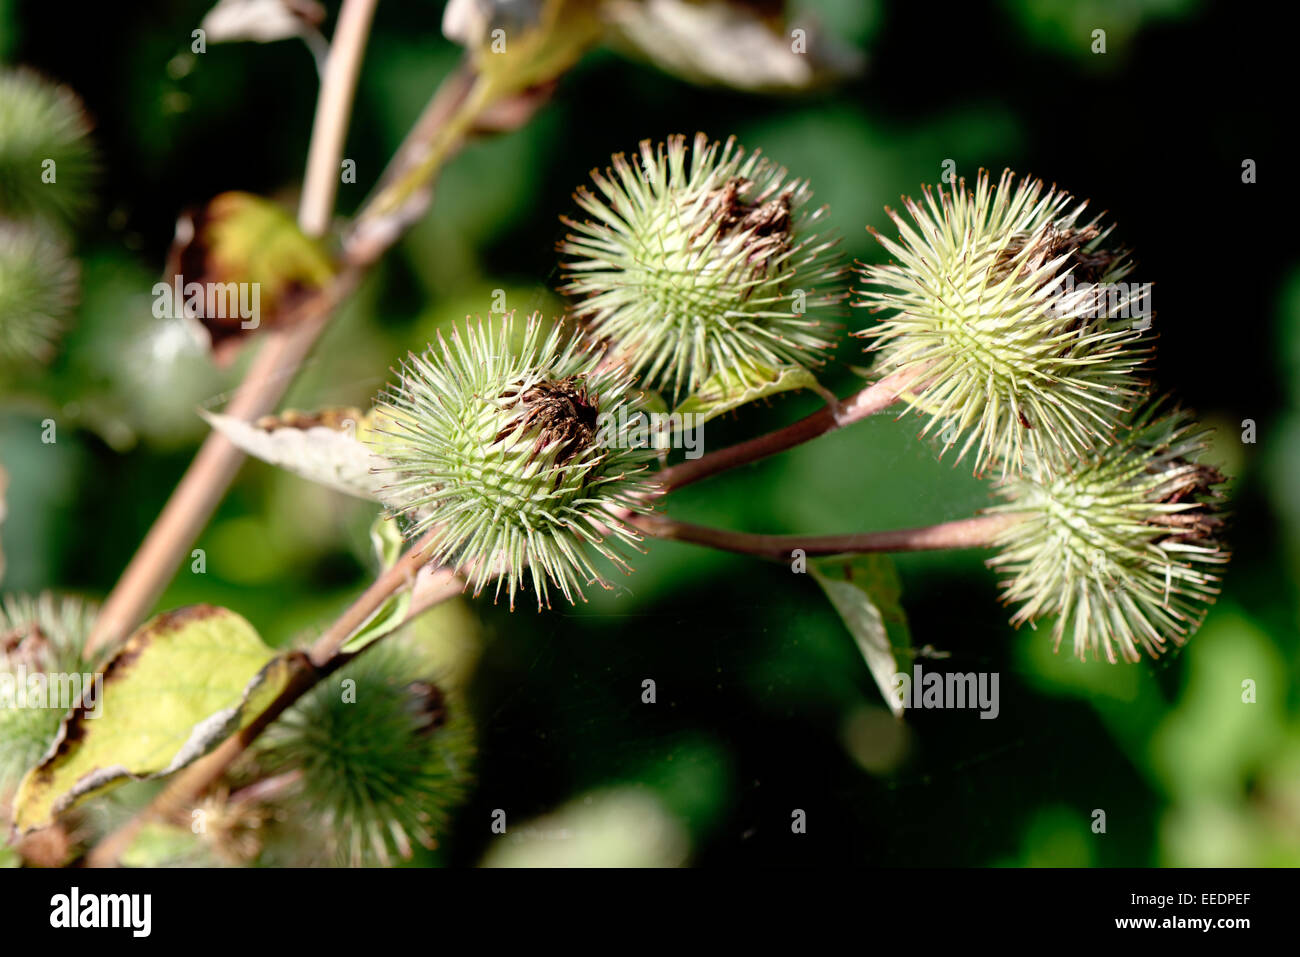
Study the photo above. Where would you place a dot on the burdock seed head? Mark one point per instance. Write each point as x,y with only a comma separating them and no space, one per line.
1120,549
1015,357
38,287
520,455
380,769
700,260
38,635
46,158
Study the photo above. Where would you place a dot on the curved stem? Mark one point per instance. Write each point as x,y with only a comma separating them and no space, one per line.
978,532
868,401
403,192
402,573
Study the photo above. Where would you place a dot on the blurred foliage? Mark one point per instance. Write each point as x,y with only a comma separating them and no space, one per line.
764,704
1066,26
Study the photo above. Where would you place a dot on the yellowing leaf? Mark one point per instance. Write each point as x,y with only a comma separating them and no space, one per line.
181,684
729,389
865,592
244,253
515,45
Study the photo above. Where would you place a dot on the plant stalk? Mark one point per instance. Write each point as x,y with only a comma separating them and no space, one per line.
978,532
866,402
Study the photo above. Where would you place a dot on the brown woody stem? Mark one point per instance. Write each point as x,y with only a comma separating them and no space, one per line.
978,532
860,405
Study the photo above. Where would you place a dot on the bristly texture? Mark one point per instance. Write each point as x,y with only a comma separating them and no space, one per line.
1016,361
382,759
1119,550
38,286
522,456
46,159
41,635
702,260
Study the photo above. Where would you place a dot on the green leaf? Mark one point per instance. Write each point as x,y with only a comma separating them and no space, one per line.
387,540
865,591
732,388
181,684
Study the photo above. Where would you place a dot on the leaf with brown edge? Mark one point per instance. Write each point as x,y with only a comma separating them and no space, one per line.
328,447
182,683
238,265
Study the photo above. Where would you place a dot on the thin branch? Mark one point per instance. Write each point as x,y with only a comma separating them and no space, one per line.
404,192
333,109
432,587
266,789
868,401
305,670
402,574
979,532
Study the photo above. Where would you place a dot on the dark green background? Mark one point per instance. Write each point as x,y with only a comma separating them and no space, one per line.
764,705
